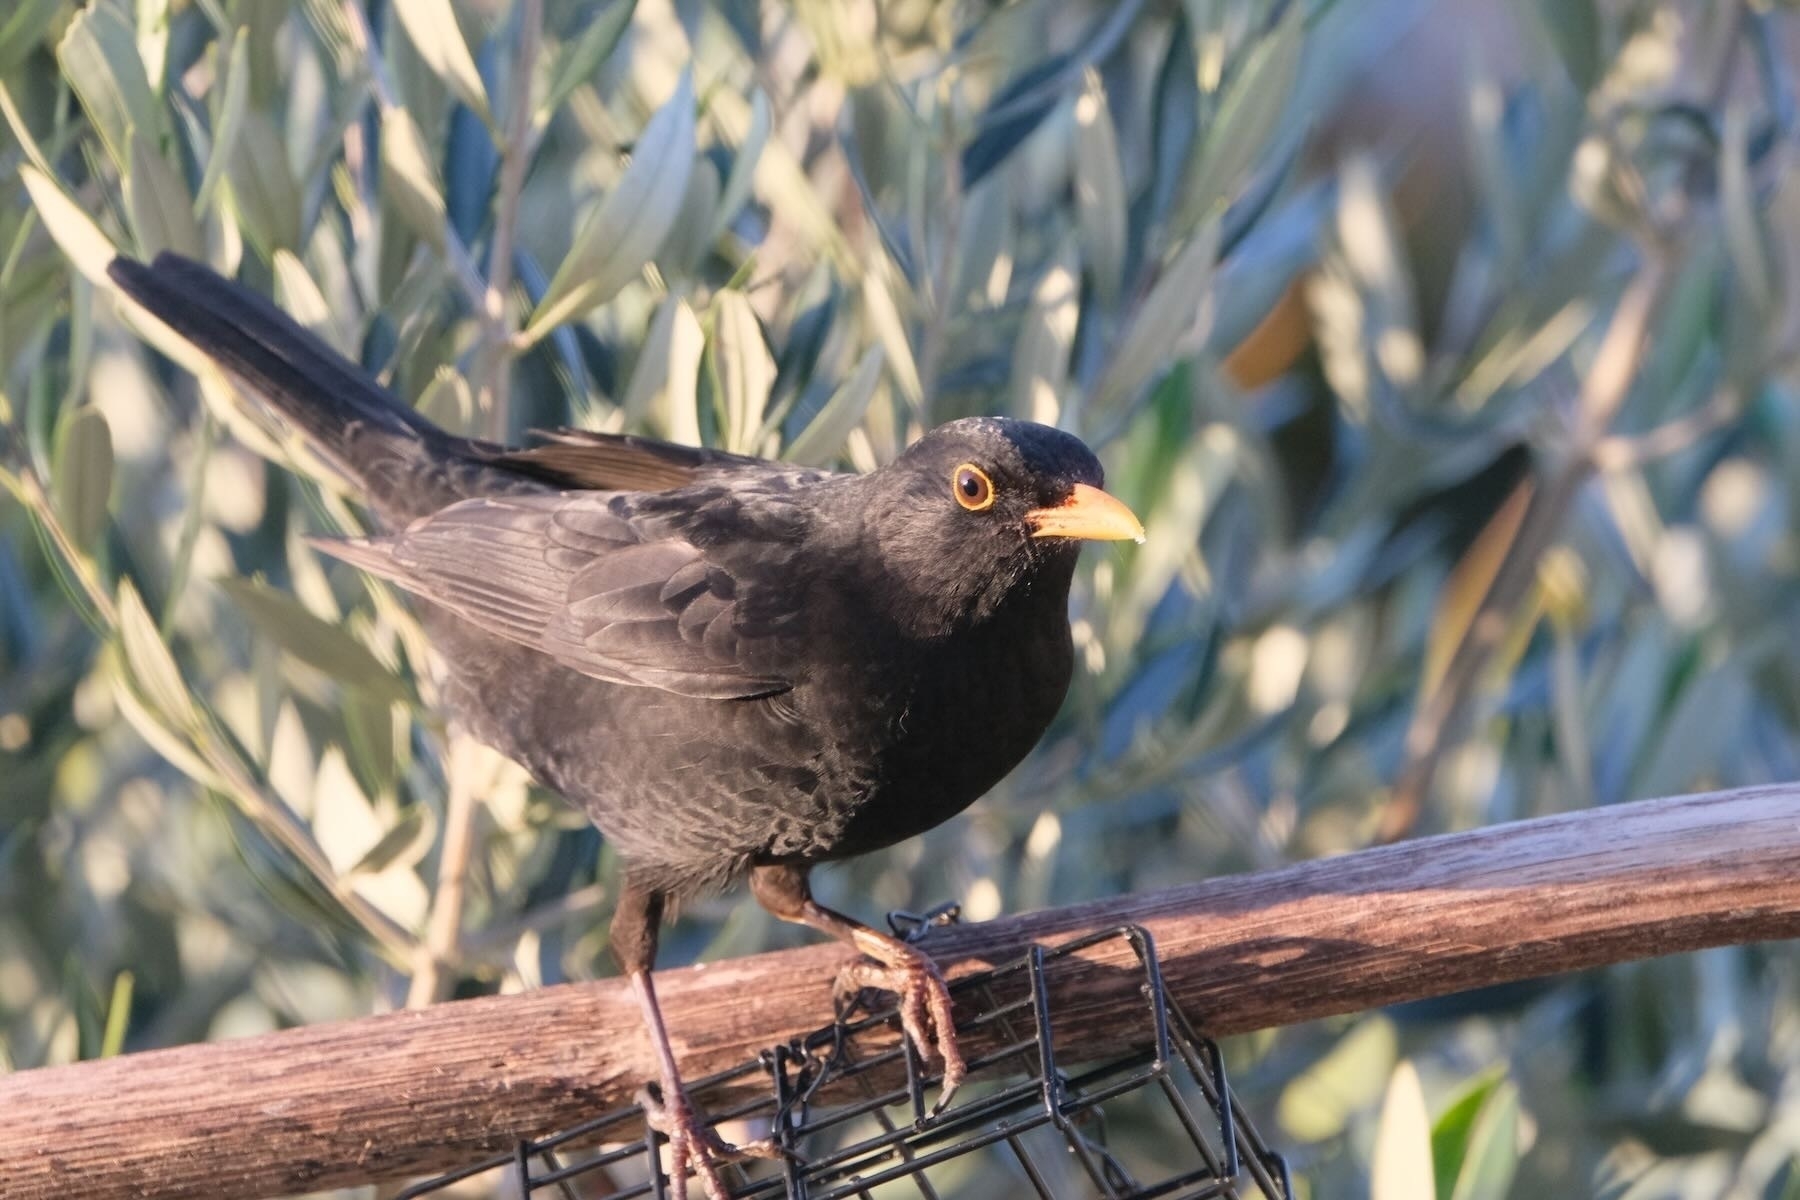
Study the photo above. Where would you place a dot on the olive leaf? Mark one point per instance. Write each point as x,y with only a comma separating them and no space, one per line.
823,438
663,392
81,240
1165,320
408,179
743,368
1100,201
1237,137
263,190
152,667
628,228
157,201
431,24
83,474
228,121
319,644
99,57
743,165
579,59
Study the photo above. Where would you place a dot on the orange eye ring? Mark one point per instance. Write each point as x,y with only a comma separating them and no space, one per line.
972,488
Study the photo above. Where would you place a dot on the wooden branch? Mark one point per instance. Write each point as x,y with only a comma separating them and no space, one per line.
416,1092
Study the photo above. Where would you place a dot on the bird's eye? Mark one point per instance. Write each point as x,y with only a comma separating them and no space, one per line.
974,490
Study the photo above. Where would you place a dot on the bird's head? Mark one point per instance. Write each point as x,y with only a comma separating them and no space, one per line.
982,508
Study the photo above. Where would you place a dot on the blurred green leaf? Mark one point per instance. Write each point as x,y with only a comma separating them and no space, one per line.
431,24
743,164
1166,318
626,230
1100,201
99,57
263,189
23,29
823,438
83,474
153,668
577,60
448,401
301,297
408,178
293,627
403,845
890,330
84,1004
1014,112
174,748
1573,28
1737,203
1040,360
1717,701
744,369
1237,137
1452,1133
692,235
663,392
1317,1102
90,250
162,212
118,1015
370,726
228,120
1492,1158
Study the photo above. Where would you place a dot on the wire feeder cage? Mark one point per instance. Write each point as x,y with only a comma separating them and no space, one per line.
1158,1122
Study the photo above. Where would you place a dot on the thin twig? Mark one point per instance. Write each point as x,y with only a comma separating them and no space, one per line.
439,953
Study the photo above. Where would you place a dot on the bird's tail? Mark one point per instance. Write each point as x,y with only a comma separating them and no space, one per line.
404,465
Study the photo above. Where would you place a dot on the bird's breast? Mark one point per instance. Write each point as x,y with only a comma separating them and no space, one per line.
966,712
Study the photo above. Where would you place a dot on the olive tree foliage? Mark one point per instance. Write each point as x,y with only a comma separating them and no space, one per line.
1447,351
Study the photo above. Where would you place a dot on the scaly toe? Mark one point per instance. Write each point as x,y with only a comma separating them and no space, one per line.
926,1013
693,1145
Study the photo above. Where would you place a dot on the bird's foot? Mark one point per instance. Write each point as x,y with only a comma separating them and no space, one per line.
693,1146
925,1009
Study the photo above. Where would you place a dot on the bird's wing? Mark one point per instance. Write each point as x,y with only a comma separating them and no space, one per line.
614,462
585,579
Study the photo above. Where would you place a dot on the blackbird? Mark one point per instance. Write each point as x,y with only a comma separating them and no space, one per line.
738,668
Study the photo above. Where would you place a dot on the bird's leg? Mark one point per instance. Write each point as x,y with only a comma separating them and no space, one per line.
925,1009
692,1143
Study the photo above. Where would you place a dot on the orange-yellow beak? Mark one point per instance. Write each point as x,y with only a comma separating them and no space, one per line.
1087,513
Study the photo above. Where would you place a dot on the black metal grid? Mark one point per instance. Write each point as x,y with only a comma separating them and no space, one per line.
1035,1126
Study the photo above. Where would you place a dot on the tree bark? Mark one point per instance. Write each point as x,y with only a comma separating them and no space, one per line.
418,1092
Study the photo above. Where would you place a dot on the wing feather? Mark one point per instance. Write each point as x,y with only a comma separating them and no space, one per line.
583,578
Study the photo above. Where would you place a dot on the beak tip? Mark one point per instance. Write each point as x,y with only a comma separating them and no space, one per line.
1088,514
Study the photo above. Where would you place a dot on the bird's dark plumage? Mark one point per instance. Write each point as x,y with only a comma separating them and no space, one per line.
725,661
732,665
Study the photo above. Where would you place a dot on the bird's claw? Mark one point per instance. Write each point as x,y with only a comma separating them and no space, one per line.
694,1146
926,1013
